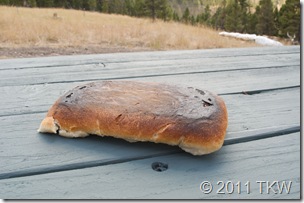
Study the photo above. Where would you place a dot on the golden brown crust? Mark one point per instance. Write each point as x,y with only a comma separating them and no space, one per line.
195,120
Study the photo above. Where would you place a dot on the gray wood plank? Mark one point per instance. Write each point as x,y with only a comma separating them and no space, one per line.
249,115
23,150
38,98
137,69
144,56
272,159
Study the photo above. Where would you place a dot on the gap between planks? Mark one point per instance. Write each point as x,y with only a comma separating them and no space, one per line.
90,164
151,75
184,54
251,92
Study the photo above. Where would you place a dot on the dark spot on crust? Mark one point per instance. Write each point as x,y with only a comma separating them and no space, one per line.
118,117
209,99
195,96
206,103
82,87
69,95
200,91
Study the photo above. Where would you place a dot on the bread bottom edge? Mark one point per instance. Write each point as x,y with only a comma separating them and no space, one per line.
50,125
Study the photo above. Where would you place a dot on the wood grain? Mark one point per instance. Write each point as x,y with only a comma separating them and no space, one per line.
137,69
261,88
23,149
38,98
144,57
259,160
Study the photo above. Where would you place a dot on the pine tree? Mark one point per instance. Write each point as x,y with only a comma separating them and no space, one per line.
233,22
217,21
16,2
290,19
157,9
105,6
99,5
168,14
265,24
92,5
244,15
45,3
215,18
276,21
175,16
253,21
77,4
63,3
115,6
139,8
130,7
4,2
49,3
192,20
70,4
186,16
150,8
32,3
207,13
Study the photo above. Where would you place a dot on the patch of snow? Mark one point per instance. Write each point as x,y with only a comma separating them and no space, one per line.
263,40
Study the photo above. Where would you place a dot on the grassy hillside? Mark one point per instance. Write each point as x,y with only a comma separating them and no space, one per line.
34,27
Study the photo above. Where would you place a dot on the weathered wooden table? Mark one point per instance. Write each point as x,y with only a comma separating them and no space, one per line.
260,157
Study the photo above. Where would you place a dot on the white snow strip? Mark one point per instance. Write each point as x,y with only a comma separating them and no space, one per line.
252,37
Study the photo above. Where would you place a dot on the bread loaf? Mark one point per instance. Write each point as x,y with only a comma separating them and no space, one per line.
193,119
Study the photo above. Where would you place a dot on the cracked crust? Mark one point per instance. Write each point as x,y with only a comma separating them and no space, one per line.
193,119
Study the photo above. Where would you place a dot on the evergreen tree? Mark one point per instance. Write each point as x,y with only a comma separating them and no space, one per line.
4,2
63,3
217,21
16,2
244,15
115,6
168,14
186,16
215,18
150,8
290,19
99,5
67,4
32,3
276,16
233,21
192,20
48,3
139,8
129,4
207,13
45,3
157,9
253,21
77,4
204,17
90,5
265,24
105,6
175,16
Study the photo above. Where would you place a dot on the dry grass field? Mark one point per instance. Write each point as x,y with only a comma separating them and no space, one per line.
61,30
